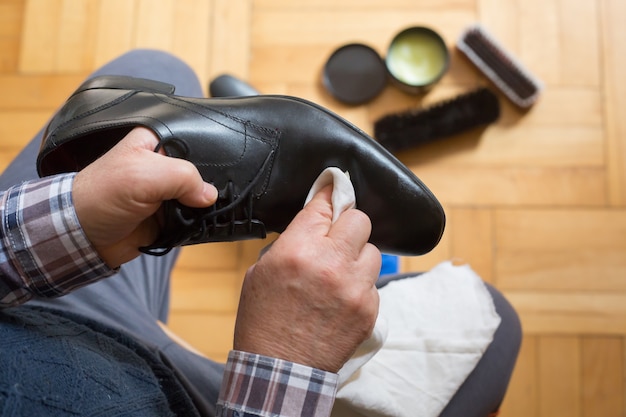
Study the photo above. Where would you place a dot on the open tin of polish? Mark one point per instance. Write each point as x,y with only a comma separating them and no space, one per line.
417,58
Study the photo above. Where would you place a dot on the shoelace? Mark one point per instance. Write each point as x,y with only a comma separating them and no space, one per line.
197,228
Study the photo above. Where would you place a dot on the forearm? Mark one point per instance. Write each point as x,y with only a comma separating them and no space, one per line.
43,250
256,385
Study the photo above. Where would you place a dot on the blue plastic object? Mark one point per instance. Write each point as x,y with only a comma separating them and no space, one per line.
390,264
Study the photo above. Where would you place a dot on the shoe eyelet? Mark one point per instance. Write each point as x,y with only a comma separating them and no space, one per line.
172,145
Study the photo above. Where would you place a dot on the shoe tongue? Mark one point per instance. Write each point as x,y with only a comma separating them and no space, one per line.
343,197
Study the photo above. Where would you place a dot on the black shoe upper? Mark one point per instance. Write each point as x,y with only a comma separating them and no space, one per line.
263,153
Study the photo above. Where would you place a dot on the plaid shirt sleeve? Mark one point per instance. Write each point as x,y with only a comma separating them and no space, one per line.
260,386
43,249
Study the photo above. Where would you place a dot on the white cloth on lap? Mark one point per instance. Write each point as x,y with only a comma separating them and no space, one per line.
438,326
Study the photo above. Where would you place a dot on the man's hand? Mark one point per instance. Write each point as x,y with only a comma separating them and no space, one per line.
117,196
311,298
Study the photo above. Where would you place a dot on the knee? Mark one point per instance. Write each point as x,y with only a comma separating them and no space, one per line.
510,328
159,58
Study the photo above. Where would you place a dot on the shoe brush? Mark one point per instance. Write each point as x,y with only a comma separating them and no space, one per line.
400,131
497,64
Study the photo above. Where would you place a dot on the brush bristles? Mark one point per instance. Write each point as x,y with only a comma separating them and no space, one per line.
407,129
504,70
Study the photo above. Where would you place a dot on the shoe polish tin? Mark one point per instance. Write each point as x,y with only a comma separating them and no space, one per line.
355,74
416,59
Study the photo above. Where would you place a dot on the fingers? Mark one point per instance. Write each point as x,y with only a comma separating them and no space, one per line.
126,250
177,179
171,178
350,232
372,258
316,216
140,138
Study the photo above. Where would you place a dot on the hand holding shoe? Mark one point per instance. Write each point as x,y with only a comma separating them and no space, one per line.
311,298
117,196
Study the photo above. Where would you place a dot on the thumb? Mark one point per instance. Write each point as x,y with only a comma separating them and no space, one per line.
178,179
172,178
317,214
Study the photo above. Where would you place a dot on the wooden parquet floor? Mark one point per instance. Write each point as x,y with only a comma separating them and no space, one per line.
536,203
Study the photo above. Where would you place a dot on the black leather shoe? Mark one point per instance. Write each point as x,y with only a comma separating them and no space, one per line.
262,153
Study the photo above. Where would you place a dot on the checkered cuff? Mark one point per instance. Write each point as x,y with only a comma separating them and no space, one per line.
256,385
45,252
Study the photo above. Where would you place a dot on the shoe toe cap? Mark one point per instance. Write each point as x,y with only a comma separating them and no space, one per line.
406,217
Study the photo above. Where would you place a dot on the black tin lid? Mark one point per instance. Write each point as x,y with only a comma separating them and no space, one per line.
355,73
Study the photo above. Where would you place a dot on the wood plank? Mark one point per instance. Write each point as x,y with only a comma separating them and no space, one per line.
36,92
217,256
570,313
471,239
564,229
568,37
502,20
9,57
191,39
505,186
539,48
154,25
211,334
582,268
561,249
559,376
6,157
624,373
579,55
502,146
251,250
514,23
568,324
306,5
522,397
559,106
270,87
613,50
205,292
11,14
334,27
17,128
40,35
11,17
602,376
230,48
114,39
77,36
288,64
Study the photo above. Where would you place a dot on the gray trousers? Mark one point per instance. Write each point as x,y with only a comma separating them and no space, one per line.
133,300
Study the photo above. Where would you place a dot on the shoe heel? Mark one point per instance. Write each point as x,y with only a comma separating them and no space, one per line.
122,82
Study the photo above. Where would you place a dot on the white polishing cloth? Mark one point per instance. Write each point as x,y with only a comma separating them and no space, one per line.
431,332
343,192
